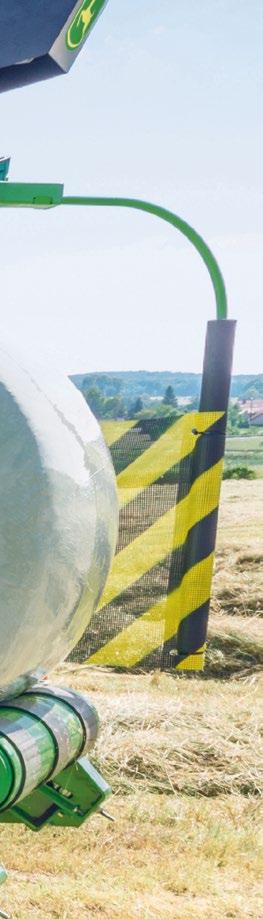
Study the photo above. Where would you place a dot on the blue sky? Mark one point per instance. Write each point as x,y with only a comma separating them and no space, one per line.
164,103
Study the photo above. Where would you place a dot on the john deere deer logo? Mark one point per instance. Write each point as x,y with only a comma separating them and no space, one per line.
82,21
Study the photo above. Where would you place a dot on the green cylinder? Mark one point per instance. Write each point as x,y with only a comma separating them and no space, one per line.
28,751
40,735
11,772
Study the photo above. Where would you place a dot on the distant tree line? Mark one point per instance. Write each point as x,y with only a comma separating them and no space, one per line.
132,384
140,394
115,405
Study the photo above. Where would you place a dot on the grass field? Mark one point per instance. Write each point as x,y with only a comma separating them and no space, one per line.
184,757
245,450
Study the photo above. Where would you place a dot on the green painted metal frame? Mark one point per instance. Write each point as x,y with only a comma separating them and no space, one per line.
179,224
30,194
42,195
68,800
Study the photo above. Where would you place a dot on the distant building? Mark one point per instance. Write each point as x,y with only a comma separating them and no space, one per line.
252,410
257,419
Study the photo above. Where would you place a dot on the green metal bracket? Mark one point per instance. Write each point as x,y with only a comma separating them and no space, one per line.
30,194
20,194
169,217
69,800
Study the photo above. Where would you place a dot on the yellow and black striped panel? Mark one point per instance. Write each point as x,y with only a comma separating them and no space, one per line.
155,604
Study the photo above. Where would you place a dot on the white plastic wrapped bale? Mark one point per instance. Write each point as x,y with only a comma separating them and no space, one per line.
58,521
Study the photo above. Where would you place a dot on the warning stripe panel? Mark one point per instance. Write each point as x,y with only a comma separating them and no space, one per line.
184,536
169,449
139,639
169,532
208,451
192,630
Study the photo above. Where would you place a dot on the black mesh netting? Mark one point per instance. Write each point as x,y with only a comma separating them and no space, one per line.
135,518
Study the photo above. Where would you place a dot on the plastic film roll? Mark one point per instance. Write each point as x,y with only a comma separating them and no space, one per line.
41,734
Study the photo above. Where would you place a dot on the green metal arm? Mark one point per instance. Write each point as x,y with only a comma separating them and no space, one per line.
46,195
179,224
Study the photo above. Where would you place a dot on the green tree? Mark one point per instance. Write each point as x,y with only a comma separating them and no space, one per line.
235,420
136,407
107,384
95,400
169,396
114,407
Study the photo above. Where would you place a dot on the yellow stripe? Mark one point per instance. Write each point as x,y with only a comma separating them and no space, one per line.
114,430
169,449
193,661
160,622
166,534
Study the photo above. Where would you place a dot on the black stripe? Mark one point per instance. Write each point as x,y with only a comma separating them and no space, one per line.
190,637
208,451
198,545
192,630
141,513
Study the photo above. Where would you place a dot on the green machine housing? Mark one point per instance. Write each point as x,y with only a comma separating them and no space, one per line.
40,40
44,775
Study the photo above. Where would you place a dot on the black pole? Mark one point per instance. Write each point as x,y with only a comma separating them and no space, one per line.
217,367
209,451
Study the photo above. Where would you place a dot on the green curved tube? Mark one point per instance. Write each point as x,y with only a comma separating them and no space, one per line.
175,221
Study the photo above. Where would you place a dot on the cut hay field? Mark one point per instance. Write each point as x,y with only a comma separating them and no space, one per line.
184,757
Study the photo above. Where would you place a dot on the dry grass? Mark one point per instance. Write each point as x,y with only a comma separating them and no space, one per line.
236,631
184,758
164,857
